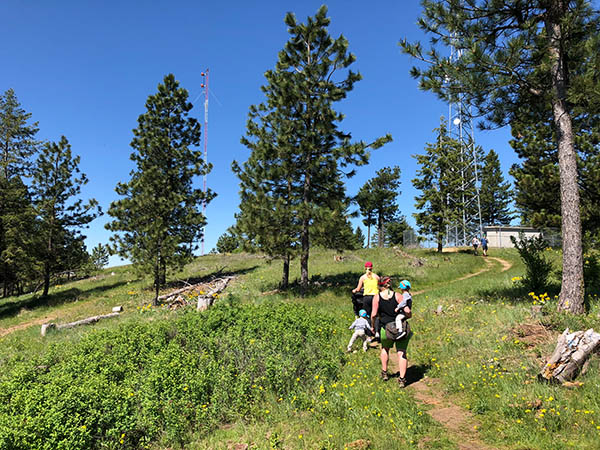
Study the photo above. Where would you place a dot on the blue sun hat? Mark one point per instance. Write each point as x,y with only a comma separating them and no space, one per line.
363,313
404,284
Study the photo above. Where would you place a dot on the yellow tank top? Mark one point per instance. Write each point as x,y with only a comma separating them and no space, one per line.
370,286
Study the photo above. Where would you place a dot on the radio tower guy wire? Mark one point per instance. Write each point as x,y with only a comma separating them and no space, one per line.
205,134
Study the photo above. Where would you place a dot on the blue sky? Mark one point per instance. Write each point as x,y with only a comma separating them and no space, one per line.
85,69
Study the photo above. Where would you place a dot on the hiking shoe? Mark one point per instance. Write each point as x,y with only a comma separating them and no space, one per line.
402,382
384,375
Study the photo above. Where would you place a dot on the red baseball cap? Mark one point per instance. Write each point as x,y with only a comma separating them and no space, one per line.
368,264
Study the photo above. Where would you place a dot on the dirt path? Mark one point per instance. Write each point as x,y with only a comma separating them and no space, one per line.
458,422
24,325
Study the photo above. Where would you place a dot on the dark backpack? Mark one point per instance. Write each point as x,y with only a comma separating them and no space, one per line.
391,332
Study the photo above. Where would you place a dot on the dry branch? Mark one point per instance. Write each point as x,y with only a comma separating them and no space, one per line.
205,301
571,353
93,319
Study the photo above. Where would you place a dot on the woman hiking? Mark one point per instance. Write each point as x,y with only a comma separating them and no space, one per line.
386,306
369,282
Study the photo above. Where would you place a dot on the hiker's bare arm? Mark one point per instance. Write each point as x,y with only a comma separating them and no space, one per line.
359,286
374,309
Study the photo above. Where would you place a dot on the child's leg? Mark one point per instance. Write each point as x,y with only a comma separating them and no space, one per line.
355,335
400,322
366,339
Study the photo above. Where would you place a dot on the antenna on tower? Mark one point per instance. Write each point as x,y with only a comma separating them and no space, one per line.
205,133
460,128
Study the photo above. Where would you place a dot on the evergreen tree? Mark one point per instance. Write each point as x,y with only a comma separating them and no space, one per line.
298,152
495,193
515,56
537,178
359,237
366,208
100,256
17,218
438,179
379,194
57,183
227,242
335,232
159,221
394,231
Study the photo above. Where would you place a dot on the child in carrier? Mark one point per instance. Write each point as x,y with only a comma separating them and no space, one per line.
362,328
401,318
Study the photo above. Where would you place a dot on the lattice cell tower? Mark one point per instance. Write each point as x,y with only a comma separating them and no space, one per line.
460,128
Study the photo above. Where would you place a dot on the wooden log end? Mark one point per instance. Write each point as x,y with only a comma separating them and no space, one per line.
117,309
47,327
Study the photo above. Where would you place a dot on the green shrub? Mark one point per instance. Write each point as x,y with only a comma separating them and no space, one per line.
537,267
163,379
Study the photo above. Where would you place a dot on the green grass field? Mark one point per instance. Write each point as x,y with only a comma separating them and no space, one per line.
472,369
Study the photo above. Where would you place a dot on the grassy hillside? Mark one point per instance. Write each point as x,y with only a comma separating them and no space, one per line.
472,369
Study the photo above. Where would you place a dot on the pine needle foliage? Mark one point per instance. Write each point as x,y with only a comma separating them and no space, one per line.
495,193
515,56
57,183
293,178
158,221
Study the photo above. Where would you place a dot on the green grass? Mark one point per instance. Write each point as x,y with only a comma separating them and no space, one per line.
474,348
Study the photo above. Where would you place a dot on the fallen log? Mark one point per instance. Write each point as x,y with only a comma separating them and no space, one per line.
570,355
206,301
53,326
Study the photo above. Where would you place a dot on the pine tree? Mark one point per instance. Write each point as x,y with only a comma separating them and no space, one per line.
495,193
537,178
359,237
438,179
17,218
516,56
100,256
298,152
380,194
367,209
57,183
159,221
227,242
394,231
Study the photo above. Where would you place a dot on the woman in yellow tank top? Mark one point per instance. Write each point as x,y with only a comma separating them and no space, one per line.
369,281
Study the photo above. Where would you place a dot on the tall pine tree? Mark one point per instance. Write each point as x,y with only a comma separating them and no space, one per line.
17,217
495,194
514,57
377,197
57,183
159,221
298,123
438,179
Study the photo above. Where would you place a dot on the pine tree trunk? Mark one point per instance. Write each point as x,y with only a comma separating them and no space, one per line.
369,236
46,279
572,291
380,237
285,278
440,246
304,256
156,282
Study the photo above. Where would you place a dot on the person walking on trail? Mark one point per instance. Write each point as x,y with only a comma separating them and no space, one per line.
385,305
484,245
475,243
368,282
362,328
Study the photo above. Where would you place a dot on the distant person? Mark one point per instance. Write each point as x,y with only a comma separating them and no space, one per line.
368,282
385,307
362,328
475,243
484,245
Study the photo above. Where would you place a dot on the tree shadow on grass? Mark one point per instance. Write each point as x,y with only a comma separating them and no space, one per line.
219,273
12,308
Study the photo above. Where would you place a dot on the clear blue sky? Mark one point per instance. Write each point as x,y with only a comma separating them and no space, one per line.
85,69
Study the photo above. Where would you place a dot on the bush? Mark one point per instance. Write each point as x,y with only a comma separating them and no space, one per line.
127,387
537,267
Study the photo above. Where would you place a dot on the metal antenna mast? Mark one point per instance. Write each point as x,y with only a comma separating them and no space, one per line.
205,133
460,128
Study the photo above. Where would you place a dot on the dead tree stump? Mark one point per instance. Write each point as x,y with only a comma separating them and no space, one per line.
571,353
